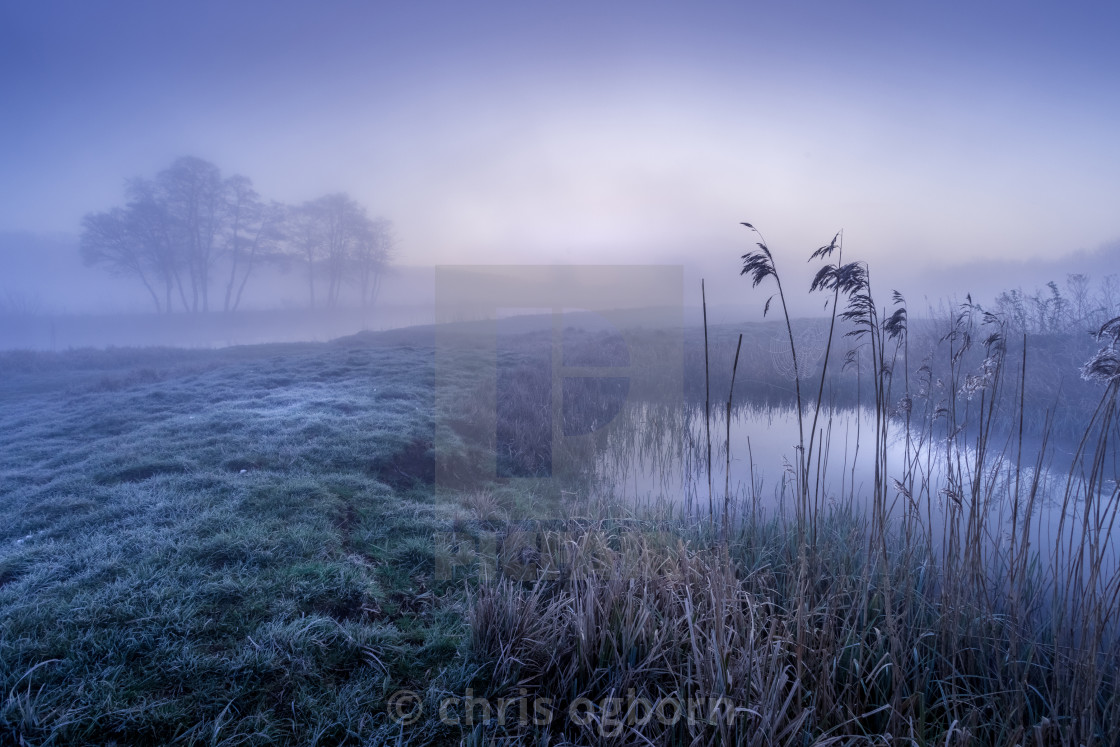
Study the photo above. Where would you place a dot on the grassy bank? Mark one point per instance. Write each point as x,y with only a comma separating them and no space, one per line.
217,547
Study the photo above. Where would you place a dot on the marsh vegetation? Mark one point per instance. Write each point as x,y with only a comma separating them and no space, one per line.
932,562
262,545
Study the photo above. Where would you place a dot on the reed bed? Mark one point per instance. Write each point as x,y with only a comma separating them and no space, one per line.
939,608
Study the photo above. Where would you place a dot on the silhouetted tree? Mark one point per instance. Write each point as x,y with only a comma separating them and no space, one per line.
128,242
253,232
305,241
180,228
150,219
166,235
371,258
336,240
194,195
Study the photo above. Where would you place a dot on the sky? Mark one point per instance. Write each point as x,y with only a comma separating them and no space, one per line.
933,134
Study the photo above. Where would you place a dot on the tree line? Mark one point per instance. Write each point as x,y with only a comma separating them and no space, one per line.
190,234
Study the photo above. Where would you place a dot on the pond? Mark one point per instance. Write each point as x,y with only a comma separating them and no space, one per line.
1013,501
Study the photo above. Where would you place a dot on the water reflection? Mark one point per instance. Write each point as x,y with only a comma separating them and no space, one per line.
1028,500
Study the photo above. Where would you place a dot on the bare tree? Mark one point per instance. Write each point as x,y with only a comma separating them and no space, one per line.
346,227
341,222
165,235
371,257
181,228
110,239
154,228
253,231
194,195
335,239
306,242
138,240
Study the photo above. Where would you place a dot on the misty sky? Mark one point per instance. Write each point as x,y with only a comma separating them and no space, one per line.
589,132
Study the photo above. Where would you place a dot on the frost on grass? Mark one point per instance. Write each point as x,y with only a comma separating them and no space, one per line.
220,534
1104,366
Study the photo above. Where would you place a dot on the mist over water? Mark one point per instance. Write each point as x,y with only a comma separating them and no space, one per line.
204,330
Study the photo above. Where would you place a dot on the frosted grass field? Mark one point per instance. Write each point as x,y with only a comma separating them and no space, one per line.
246,546
215,547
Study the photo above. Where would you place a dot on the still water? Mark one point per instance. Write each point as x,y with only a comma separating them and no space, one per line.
661,461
